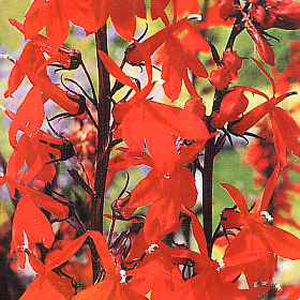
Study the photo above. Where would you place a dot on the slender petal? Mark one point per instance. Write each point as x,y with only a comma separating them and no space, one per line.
237,197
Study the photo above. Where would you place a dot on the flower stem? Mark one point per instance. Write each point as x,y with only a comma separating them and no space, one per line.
103,113
207,181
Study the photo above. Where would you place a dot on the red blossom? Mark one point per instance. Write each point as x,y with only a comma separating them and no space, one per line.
281,122
269,235
180,43
277,14
37,74
145,123
263,47
227,71
180,7
54,15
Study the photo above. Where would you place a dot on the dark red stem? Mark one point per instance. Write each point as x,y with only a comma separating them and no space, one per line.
103,112
207,190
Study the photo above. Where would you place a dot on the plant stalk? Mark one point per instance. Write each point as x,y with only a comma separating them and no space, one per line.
103,113
207,194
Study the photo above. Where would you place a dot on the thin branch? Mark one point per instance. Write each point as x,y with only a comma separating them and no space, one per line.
90,82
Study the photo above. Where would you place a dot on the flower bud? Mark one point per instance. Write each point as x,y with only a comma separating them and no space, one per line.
226,8
220,78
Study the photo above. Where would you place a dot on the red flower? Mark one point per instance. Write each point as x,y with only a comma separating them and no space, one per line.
54,15
180,7
233,104
50,284
36,229
263,47
27,232
65,57
253,226
281,122
227,70
144,123
165,194
33,64
39,168
277,14
209,273
180,43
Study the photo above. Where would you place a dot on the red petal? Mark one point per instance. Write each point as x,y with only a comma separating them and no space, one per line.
58,257
91,15
35,18
286,124
114,70
123,18
29,117
105,290
281,242
15,79
125,161
57,26
37,228
50,286
162,219
46,202
263,202
237,197
140,8
182,7
279,144
198,231
251,118
172,71
146,192
158,10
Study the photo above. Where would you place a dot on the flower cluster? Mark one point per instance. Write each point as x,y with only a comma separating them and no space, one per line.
51,230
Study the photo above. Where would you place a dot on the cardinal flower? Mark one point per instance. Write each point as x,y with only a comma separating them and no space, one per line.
253,225
233,104
277,14
208,273
39,167
37,229
180,43
33,64
164,194
50,284
227,71
281,122
27,232
64,57
155,126
157,191
54,15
